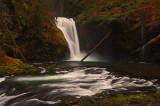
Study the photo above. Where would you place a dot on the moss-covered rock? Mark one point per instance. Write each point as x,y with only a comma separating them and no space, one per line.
54,67
152,99
132,23
11,66
51,68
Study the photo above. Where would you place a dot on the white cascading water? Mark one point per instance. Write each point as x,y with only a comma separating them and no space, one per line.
81,81
68,27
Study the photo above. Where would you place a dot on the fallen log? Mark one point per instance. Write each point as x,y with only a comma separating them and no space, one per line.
153,40
89,53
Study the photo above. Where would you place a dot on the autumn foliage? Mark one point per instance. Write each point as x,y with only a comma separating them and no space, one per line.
102,10
37,35
139,23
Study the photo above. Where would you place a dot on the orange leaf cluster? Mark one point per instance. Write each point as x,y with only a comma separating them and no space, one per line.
8,61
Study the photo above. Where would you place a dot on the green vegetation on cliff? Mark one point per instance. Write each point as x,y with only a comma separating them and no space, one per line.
135,10
12,66
30,31
134,22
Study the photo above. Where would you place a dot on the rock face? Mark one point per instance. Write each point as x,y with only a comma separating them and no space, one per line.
134,24
65,8
5,15
30,25
121,44
27,28
56,6
92,33
6,27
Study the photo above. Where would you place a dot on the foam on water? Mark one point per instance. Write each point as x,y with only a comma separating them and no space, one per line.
81,81
89,81
2,79
68,27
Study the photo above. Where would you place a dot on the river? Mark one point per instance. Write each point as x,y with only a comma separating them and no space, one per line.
83,79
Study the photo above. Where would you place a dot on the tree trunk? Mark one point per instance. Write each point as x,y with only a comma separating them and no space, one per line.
89,53
13,40
143,40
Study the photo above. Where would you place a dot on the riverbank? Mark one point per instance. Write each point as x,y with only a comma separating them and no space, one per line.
102,99
137,70
65,83
133,70
11,66
146,71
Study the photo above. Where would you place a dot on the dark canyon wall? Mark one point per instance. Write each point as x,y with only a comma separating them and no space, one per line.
27,29
135,25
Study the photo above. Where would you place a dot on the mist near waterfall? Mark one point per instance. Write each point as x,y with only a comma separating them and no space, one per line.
68,27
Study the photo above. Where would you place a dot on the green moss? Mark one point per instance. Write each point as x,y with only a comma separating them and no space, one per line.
17,68
111,10
125,5
66,67
51,68
4,71
71,101
109,18
131,99
152,99
54,67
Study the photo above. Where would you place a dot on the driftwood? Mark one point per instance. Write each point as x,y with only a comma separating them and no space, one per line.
89,53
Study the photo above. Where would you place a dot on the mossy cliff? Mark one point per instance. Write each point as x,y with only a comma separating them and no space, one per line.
28,28
28,31
134,23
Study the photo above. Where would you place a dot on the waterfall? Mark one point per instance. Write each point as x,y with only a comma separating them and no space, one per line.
68,27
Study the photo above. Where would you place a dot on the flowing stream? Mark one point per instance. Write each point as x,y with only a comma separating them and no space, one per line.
50,89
